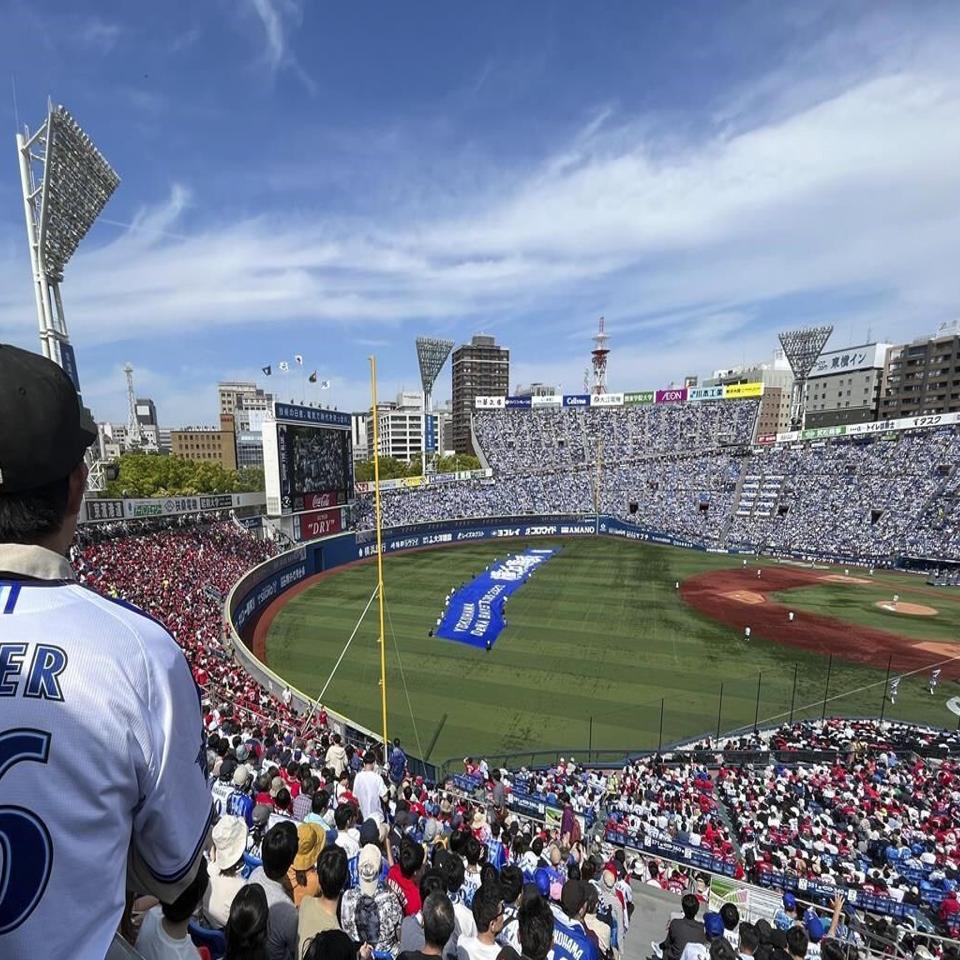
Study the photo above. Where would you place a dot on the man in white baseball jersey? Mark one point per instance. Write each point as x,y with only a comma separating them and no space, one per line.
102,763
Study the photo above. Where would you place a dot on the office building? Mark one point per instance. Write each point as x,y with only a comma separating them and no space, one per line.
923,377
480,368
845,386
216,444
777,379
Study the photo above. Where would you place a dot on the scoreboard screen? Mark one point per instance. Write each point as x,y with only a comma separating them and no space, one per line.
308,459
315,466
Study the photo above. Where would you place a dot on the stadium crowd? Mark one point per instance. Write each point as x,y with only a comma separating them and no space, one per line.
664,468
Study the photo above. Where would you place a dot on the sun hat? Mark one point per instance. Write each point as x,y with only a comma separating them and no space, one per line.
229,837
241,776
479,821
368,869
276,785
310,843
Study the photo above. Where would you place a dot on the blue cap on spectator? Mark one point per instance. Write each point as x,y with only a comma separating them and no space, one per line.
814,926
789,901
713,925
542,880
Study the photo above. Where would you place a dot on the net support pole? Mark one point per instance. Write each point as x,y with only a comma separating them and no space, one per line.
886,687
826,689
793,698
756,714
660,736
719,710
379,525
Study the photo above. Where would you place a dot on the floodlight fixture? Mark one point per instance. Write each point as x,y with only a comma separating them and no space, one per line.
432,353
66,182
802,348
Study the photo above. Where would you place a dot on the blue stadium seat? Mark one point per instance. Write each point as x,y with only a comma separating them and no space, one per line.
213,940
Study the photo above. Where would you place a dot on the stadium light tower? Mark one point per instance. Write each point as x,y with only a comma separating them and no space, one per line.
66,182
598,356
432,354
802,348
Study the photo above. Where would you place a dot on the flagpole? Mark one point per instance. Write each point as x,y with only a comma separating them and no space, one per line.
378,516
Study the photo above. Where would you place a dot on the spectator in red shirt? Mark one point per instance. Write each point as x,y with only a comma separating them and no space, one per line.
404,876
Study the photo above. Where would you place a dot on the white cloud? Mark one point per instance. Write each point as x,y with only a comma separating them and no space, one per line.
856,194
278,18
98,35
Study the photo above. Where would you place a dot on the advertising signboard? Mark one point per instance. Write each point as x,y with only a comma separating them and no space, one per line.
518,403
740,391
639,396
319,523
489,403
576,400
696,394
870,356
606,400
555,400
671,395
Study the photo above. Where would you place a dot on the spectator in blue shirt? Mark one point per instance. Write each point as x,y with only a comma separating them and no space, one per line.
397,763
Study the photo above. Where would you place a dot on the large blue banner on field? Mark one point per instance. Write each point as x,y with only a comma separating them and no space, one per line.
474,614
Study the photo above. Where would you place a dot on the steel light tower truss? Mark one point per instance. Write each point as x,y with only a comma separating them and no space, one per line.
66,183
802,348
432,353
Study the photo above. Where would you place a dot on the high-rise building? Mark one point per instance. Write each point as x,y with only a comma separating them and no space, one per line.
536,390
243,398
923,377
358,432
480,368
777,379
845,386
146,411
399,428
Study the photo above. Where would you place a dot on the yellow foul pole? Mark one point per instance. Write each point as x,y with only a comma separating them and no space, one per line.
376,503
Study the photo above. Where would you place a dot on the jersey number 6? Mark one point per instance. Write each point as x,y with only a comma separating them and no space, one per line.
27,847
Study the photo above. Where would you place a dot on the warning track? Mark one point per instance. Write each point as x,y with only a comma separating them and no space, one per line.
719,595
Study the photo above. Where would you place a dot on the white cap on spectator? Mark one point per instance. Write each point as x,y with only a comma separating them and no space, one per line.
229,841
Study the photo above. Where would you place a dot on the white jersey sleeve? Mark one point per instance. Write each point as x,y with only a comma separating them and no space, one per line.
171,823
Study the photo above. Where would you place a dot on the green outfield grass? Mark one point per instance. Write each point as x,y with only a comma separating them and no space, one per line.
600,632
858,604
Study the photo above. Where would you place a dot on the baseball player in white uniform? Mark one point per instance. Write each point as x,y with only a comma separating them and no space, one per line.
102,761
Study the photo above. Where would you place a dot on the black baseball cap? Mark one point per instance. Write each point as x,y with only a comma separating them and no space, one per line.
572,897
43,430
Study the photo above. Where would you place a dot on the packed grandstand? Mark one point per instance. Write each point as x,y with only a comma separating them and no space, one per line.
694,471
851,826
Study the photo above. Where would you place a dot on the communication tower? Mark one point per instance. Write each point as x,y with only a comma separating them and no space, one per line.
599,355
134,433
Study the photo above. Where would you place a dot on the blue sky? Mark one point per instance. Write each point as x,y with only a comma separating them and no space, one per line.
335,179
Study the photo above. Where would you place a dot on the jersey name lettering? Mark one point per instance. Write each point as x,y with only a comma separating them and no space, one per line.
40,680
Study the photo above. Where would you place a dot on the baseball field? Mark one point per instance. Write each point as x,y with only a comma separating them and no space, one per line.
603,648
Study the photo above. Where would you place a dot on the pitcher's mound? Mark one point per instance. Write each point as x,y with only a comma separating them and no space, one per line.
745,596
840,578
910,609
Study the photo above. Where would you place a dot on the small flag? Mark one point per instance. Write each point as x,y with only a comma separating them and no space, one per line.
284,366
267,370
324,384
299,358
313,377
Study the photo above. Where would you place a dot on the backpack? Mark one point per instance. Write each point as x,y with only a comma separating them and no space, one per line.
366,918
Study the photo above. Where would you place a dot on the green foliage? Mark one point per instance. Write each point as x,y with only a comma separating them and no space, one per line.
391,468
155,475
